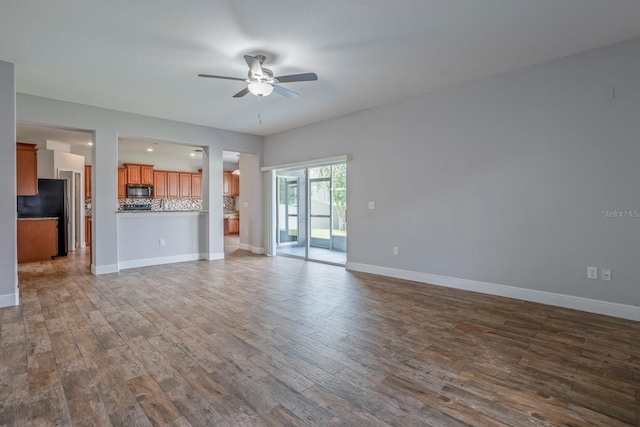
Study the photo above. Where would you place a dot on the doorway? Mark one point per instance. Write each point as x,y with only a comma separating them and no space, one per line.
311,214
74,217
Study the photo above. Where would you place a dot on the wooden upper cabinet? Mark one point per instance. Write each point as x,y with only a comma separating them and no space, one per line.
226,183
196,186
146,174
235,185
139,174
185,185
26,169
173,185
87,181
160,184
133,174
122,183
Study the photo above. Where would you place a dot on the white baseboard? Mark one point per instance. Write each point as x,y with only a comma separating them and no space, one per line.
559,300
9,300
146,262
253,249
104,269
214,256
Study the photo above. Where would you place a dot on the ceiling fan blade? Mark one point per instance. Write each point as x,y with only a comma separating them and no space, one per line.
305,77
242,93
221,77
285,92
254,65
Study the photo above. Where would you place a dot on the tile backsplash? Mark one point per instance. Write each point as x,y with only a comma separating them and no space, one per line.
229,203
164,204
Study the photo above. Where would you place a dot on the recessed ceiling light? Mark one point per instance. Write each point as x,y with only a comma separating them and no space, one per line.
149,149
89,143
192,154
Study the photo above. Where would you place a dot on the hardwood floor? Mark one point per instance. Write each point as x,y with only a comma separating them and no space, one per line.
277,341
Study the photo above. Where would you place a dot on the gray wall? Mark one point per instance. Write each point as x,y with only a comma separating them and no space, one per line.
8,254
502,180
139,235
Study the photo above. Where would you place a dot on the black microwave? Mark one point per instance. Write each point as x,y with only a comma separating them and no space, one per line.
139,191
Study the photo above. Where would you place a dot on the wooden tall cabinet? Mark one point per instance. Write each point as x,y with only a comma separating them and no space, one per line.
26,169
122,183
87,181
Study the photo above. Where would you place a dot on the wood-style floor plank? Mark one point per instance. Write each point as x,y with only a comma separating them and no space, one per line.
258,341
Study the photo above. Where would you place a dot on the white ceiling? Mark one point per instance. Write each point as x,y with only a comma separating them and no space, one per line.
143,56
39,135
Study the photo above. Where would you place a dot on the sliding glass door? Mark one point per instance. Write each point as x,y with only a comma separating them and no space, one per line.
291,222
312,202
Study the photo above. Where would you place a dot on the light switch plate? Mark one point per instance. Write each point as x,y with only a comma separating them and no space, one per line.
592,273
372,205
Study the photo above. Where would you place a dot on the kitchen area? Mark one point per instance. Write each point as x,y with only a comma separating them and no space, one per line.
160,194
41,208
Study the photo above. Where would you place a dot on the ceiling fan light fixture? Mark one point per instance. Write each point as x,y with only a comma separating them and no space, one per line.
260,88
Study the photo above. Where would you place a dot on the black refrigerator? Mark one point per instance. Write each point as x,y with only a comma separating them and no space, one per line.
51,201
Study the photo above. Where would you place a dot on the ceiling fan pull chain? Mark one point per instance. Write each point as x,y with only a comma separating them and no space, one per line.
259,110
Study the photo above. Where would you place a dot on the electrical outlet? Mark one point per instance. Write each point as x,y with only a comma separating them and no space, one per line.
395,250
592,273
605,274
161,242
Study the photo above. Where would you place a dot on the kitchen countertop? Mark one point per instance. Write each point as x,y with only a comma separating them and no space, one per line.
157,213
37,219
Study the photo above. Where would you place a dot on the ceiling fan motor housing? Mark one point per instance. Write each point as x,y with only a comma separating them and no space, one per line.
267,75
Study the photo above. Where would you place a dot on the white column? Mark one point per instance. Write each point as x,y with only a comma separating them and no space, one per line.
250,203
105,202
212,193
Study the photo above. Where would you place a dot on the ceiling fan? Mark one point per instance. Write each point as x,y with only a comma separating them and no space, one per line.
261,81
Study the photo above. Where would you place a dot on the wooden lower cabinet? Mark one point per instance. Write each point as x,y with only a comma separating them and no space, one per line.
234,226
37,239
